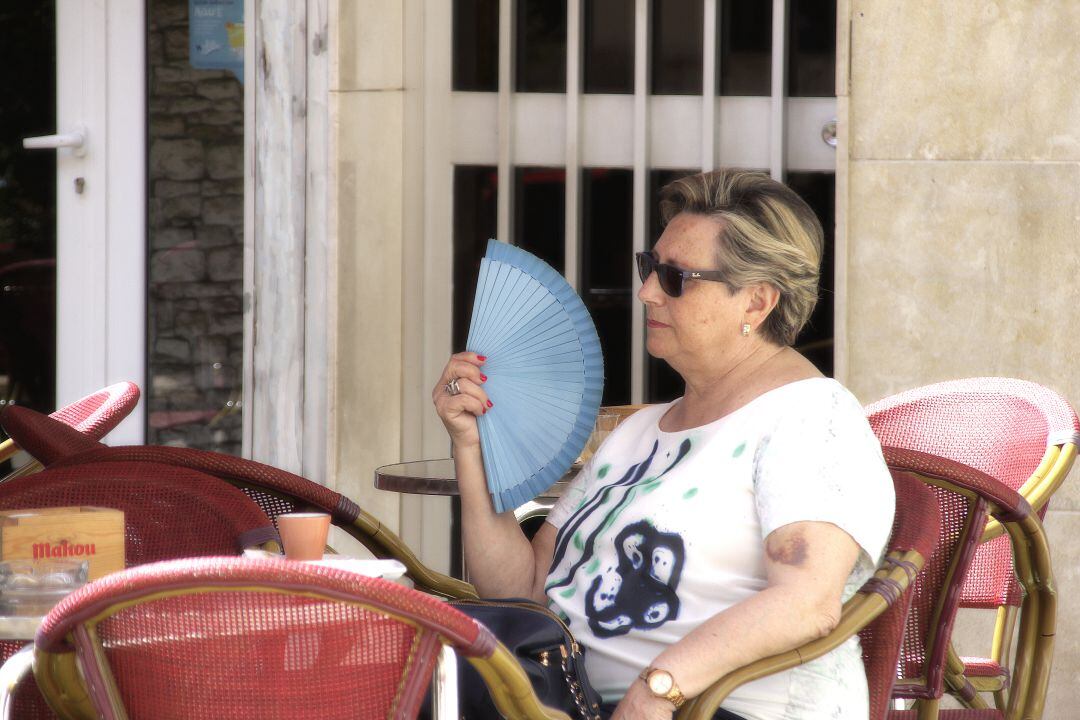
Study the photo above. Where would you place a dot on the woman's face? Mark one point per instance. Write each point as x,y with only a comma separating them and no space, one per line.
703,326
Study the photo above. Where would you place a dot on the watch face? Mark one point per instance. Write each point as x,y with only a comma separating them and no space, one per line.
660,682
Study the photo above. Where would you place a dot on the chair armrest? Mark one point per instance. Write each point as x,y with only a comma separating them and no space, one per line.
1042,484
8,448
888,584
1006,504
510,687
14,669
384,543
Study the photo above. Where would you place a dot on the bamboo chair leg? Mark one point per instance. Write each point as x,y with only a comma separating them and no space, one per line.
957,682
1001,650
927,709
1001,700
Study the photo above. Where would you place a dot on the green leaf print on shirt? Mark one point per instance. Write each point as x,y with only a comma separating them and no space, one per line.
569,592
739,450
593,566
650,485
578,542
689,493
604,469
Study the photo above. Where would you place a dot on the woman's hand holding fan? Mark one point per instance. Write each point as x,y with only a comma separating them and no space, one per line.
459,411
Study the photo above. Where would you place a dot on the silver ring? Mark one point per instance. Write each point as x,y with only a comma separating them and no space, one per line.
452,387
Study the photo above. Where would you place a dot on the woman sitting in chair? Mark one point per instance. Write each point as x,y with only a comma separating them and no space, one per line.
728,525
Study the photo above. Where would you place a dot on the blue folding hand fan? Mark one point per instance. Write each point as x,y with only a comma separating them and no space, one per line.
545,373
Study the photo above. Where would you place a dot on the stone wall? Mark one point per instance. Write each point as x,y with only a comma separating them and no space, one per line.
196,202
957,198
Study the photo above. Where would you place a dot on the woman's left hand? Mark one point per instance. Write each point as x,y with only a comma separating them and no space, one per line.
640,704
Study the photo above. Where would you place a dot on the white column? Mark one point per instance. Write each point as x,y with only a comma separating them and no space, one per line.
274,397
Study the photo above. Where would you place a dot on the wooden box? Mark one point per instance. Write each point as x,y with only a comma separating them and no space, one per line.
76,533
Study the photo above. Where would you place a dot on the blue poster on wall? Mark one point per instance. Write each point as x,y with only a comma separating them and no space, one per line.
216,30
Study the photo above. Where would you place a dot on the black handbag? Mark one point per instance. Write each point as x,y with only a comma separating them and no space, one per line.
546,650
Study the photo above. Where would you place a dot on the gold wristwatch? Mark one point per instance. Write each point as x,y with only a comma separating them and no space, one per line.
662,685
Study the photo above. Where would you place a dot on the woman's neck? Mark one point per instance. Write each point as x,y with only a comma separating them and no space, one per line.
712,393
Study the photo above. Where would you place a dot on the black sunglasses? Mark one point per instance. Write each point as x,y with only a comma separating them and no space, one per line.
671,278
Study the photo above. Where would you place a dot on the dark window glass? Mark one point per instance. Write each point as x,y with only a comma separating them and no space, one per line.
540,213
818,189
812,48
745,52
657,180
676,47
606,270
195,287
662,383
541,46
28,207
476,189
476,45
475,194
608,40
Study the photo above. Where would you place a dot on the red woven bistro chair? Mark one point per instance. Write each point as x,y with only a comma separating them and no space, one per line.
169,512
94,416
275,491
877,612
239,638
966,497
1023,435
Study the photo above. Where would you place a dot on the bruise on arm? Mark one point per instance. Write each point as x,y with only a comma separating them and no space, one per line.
791,549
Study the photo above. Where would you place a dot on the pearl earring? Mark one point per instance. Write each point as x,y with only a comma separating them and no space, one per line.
746,329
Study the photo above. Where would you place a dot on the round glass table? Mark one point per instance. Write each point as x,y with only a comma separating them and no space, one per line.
437,477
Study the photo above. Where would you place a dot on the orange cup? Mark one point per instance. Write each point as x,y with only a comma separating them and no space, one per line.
304,534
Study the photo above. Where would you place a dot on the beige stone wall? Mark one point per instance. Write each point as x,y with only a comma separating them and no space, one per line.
366,178
959,210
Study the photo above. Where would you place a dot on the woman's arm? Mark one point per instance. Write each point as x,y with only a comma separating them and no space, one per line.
500,559
807,565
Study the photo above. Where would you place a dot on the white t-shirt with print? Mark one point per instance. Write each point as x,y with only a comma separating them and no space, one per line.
660,531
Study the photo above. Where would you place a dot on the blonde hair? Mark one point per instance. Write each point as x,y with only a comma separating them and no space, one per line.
767,234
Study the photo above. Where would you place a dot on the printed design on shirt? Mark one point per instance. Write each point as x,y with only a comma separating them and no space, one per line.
601,513
640,591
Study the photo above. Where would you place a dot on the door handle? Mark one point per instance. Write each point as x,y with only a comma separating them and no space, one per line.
76,139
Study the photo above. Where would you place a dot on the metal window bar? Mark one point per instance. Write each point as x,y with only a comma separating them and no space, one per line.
504,200
572,233
573,151
642,14
778,115
710,24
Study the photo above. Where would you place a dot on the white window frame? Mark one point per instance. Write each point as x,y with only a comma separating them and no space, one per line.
573,130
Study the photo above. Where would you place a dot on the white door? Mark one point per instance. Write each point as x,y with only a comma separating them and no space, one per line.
98,141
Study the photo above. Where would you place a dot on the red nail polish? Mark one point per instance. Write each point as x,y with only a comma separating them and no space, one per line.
481,358
490,404
483,378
